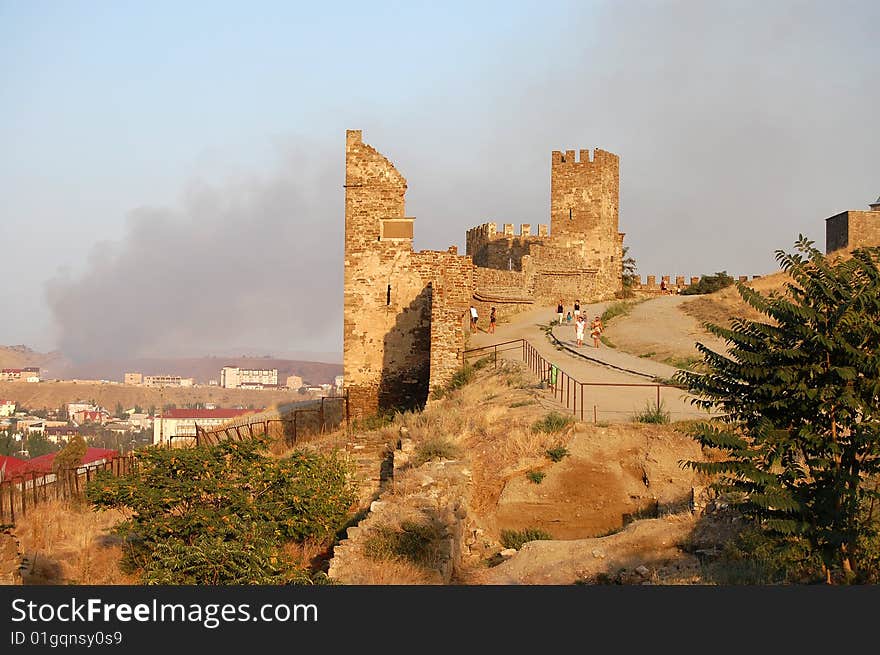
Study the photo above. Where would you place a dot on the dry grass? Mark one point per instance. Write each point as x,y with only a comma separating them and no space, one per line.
723,306
396,572
68,543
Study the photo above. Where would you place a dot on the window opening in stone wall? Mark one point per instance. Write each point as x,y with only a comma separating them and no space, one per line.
388,295
569,213
510,263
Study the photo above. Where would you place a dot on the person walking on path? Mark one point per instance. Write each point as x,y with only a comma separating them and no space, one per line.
596,330
577,309
579,326
560,309
492,321
474,318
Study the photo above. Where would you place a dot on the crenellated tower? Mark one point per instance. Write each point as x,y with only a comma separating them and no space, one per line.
584,205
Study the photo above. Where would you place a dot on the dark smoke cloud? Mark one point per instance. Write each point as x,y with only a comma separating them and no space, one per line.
252,262
739,125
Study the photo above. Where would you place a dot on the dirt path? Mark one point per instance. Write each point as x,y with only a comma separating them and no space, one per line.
658,329
602,403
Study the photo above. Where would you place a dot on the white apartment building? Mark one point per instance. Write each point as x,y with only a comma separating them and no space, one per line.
167,381
7,407
233,377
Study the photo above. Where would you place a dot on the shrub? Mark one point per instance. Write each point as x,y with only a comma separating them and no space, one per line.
221,514
536,476
521,403
557,453
652,414
516,538
417,542
553,422
435,448
709,284
371,423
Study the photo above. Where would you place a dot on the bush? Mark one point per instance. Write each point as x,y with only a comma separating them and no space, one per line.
652,414
221,514
553,422
464,375
536,476
371,423
417,542
521,403
516,538
557,453
709,284
435,448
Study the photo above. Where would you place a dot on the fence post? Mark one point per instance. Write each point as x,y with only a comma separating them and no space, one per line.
322,414
595,414
34,487
582,401
295,416
11,488
658,397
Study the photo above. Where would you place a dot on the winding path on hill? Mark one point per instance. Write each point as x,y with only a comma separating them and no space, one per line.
595,365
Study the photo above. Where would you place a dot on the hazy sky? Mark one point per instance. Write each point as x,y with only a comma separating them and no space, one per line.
171,173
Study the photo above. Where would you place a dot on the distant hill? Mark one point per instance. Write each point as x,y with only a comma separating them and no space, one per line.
203,369
21,357
55,366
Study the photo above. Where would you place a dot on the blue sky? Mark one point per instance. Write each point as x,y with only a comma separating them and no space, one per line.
134,133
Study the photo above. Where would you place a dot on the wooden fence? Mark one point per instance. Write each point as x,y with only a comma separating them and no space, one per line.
330,413
22,493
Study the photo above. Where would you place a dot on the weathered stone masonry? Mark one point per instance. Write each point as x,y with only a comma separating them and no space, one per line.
405,312
402,309
853,229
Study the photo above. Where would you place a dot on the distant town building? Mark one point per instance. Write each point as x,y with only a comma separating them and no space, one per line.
73,408
233,377
29,374
182,422
61,433
294,382
167,381
337,381
101,416
7,407
133,378
140,421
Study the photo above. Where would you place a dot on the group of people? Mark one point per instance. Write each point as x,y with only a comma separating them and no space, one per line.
475,317
580,323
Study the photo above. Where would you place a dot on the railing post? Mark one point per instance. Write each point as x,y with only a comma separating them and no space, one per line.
658,397
582,401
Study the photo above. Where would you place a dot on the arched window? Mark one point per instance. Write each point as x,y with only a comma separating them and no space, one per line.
388,295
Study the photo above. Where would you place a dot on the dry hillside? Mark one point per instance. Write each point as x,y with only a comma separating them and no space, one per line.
52,395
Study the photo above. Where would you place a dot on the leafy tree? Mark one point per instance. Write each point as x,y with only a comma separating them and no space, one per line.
799,426
629,277
38,444
66,462
221,514
120,411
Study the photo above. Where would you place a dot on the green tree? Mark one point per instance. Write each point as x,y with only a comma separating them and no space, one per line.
221,514
66,462
799,424
628,274
37,445
120,411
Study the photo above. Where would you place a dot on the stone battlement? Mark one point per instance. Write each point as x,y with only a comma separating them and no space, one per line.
490,231
586,157
653,281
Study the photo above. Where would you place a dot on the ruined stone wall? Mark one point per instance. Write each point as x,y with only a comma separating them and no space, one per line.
584,204
452,283
852,229
401,309
502,250
386,301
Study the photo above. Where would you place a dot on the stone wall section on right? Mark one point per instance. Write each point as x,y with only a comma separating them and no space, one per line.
852,229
